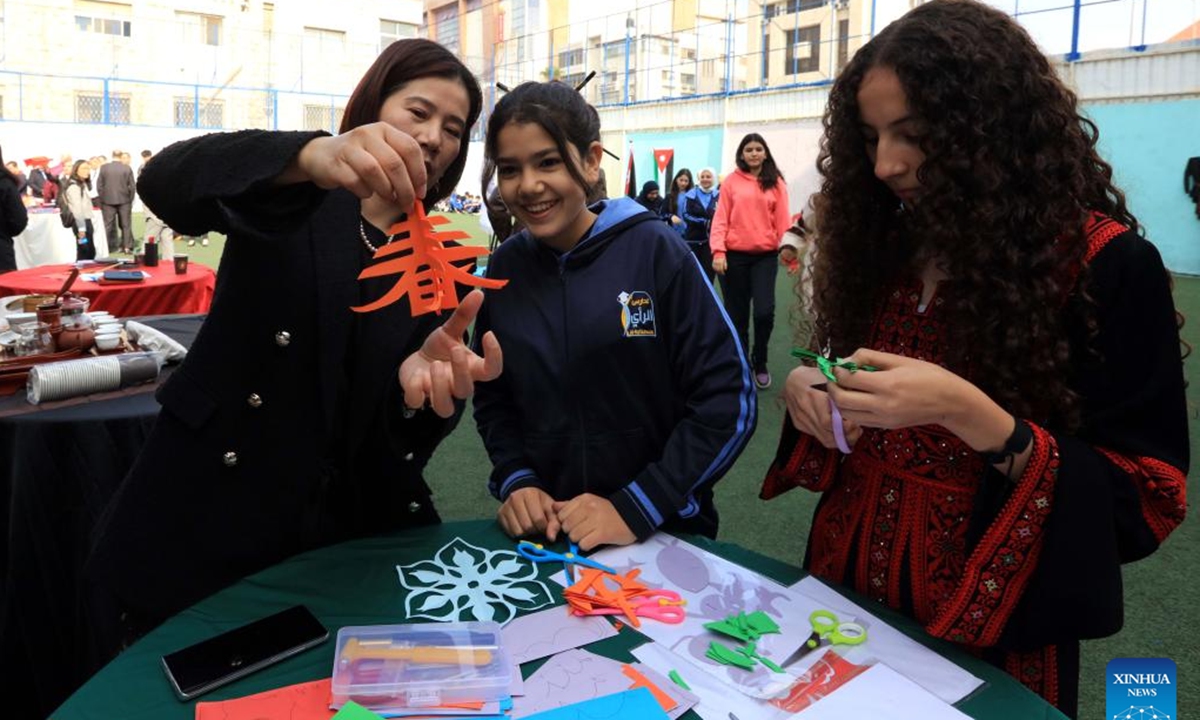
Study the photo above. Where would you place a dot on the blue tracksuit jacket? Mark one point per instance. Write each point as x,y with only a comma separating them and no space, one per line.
622,377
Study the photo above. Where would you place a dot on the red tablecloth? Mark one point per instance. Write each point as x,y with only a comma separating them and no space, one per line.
163,293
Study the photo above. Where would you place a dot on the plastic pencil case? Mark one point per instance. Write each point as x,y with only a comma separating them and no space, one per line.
414,666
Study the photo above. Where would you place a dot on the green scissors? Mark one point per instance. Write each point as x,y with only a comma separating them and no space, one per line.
826,365
827,629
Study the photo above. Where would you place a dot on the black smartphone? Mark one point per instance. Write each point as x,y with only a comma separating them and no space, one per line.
123,276
211,663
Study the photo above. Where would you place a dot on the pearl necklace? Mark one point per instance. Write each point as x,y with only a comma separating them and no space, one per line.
362,233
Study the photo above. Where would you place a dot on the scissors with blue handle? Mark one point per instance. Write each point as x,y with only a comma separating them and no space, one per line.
827,629
535,552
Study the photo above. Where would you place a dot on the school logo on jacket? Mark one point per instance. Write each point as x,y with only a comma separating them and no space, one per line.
637,314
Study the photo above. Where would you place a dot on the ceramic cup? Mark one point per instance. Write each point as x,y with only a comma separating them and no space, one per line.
108,341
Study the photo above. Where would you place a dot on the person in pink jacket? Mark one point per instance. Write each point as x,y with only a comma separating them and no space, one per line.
750,220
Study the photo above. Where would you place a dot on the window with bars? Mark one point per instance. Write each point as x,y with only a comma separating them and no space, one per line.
792,6
843,48
89,108
321,42
104,18
568,58
392,30
269,104
200,29
803,50
447,27
104,26
212,113
323,117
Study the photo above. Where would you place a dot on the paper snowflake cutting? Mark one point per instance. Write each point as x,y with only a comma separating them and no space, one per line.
464,583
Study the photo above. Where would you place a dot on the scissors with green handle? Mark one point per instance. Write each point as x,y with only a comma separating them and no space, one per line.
826,365
827,629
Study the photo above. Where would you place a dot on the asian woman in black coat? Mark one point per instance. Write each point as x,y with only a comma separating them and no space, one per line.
295,422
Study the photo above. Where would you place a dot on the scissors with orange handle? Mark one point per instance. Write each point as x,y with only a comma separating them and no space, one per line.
662,605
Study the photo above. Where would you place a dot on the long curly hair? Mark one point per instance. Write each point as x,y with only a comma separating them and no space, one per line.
1010,173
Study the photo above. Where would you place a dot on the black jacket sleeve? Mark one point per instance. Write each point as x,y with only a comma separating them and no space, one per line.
1118,485
720,399
12,209
225,182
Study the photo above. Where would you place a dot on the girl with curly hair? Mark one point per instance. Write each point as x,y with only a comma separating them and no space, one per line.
1022,430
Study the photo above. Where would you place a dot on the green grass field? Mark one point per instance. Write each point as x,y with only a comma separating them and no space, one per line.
1157,613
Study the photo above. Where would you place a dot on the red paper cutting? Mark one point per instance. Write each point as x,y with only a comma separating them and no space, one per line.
428,274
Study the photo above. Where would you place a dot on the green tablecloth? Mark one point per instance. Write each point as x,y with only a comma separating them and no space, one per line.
355,583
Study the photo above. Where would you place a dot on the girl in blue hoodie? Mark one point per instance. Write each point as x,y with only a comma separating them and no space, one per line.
626,395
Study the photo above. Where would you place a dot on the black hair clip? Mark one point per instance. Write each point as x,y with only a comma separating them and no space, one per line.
502,87
585,81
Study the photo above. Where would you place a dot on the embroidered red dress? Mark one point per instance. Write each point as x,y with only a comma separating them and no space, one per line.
1017,572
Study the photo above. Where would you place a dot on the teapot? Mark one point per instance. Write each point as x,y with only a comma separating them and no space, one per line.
76,337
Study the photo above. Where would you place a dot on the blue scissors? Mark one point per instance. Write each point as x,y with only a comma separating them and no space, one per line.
535,552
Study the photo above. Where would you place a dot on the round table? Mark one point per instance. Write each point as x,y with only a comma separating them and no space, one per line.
46,242
355,583
163,293
62,463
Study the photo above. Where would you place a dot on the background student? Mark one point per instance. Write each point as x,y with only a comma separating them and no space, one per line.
747,225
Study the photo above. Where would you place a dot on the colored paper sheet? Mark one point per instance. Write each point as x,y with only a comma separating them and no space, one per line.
715,699
551,631
714,589
625,705
888,645
305,701
685,700
881,693
568,678
353,711
577,675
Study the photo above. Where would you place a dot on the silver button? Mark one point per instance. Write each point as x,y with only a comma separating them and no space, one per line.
283,338
408,457
255,400
230,459
414,506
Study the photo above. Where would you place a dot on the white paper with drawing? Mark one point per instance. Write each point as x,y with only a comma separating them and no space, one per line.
715,589
918,663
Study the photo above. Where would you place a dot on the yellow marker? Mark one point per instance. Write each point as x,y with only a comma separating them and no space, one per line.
426,654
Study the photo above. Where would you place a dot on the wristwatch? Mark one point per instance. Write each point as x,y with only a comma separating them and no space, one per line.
1016,443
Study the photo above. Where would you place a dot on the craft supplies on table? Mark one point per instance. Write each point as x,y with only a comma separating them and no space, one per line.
385,667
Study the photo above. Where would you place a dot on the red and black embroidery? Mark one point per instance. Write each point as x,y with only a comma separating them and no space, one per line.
808,465
1037,670
1002,563
1162,488
1099,230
